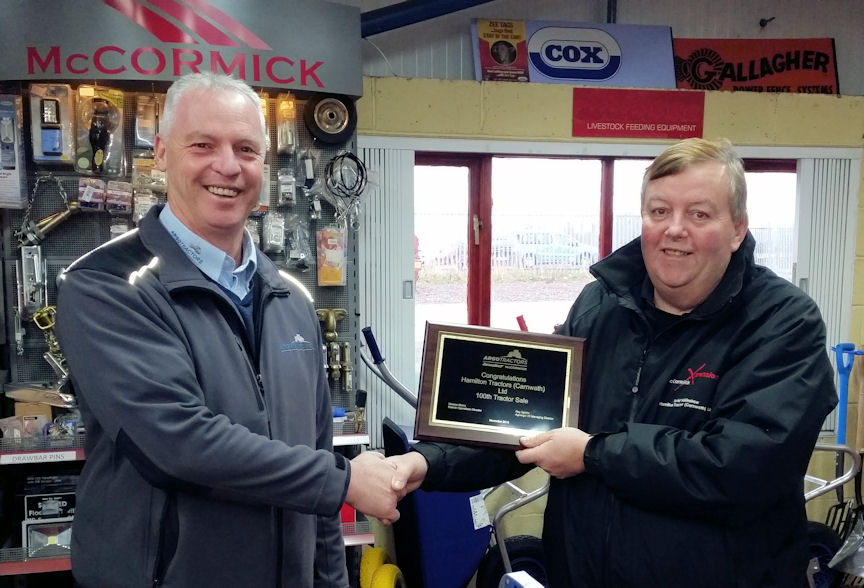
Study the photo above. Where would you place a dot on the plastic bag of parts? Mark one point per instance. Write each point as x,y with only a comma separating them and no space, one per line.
299,253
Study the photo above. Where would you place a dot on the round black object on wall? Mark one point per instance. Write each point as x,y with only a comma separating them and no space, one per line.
330,118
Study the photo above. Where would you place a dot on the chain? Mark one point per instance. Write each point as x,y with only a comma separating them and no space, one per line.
32,199
33,233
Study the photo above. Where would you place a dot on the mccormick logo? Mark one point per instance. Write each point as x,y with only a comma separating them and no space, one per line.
574,53
298,344
693,375
191,22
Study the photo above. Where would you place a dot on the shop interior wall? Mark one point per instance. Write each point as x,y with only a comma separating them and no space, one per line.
501,111
441,47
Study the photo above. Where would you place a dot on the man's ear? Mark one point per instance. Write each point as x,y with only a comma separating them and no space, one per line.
740,233
159,151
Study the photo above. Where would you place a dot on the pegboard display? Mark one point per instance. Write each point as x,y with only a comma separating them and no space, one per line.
84,230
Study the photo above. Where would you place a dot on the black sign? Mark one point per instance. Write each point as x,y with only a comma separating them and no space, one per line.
483,386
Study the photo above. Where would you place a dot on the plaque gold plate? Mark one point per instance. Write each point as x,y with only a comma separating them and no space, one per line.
489,387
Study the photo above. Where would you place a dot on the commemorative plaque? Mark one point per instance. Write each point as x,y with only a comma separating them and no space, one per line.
489,387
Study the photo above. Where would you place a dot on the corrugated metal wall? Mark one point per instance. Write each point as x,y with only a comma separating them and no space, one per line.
386,280
828,198
442,47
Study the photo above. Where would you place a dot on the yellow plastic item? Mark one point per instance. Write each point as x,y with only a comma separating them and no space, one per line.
388,576
372,559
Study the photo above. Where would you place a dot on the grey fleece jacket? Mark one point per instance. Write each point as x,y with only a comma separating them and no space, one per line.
209,456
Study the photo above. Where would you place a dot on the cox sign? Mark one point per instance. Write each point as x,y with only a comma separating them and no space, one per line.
574,53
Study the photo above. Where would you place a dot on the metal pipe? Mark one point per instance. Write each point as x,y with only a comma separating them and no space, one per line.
406,13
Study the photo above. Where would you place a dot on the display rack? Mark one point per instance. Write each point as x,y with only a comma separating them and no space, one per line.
84,231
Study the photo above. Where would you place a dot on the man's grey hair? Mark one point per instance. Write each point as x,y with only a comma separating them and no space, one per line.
209,81
683,154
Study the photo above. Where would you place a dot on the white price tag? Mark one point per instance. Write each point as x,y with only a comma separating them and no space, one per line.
479,513
36,457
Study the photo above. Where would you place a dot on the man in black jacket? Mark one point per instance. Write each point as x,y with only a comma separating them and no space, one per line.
706,384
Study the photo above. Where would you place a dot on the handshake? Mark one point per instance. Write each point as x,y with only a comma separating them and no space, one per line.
378,483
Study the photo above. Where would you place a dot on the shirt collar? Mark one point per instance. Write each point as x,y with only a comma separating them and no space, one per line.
212,261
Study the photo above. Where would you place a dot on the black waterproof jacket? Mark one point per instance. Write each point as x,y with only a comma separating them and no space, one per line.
703,428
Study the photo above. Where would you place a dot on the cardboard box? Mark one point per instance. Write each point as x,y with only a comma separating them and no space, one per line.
23,409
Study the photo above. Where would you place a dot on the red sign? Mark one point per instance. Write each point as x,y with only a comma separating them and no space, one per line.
640,114
757,65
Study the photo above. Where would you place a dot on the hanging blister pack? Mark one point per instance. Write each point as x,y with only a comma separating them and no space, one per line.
91,194
51,117
8,128
148,108
287,187
286,124
297,238
143,200
99,146
332,255
11,152
274,233
118,197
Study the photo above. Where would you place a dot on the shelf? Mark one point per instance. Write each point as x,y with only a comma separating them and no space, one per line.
31,450
350,439
13,563
358,533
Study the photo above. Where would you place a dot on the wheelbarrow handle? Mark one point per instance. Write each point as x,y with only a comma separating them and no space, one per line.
372,344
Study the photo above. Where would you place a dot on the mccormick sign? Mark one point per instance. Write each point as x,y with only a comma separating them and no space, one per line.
310,45
757,65
573,53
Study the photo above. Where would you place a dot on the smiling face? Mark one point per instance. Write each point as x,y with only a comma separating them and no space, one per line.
213,155
688,235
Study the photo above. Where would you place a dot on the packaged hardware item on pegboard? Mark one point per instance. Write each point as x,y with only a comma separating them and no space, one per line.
99,141
118,198
145,174
148,109
11,152
286,124
332,257
51,123
91,194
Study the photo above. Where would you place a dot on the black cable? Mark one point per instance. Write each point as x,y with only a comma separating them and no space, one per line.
346,176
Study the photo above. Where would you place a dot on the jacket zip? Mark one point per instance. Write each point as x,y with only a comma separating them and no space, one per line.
262,294
634,399
279,547
250,349
160,565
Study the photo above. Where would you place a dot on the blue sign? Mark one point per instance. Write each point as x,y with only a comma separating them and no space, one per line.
584,54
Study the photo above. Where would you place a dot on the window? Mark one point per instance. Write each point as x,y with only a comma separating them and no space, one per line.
499,240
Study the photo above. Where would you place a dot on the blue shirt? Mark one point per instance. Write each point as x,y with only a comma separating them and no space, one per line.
212,261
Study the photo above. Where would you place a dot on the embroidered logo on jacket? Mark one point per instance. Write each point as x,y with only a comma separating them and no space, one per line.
694,375
298,344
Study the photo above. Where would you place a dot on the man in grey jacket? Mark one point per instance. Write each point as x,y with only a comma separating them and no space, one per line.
200,376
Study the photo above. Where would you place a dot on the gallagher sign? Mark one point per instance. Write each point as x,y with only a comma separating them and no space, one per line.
310,45
571,53
757,65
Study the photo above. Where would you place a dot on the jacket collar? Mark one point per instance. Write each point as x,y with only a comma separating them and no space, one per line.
623,272
176,270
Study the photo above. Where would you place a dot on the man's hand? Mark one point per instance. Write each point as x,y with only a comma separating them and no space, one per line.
371,489
411,470
559,452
